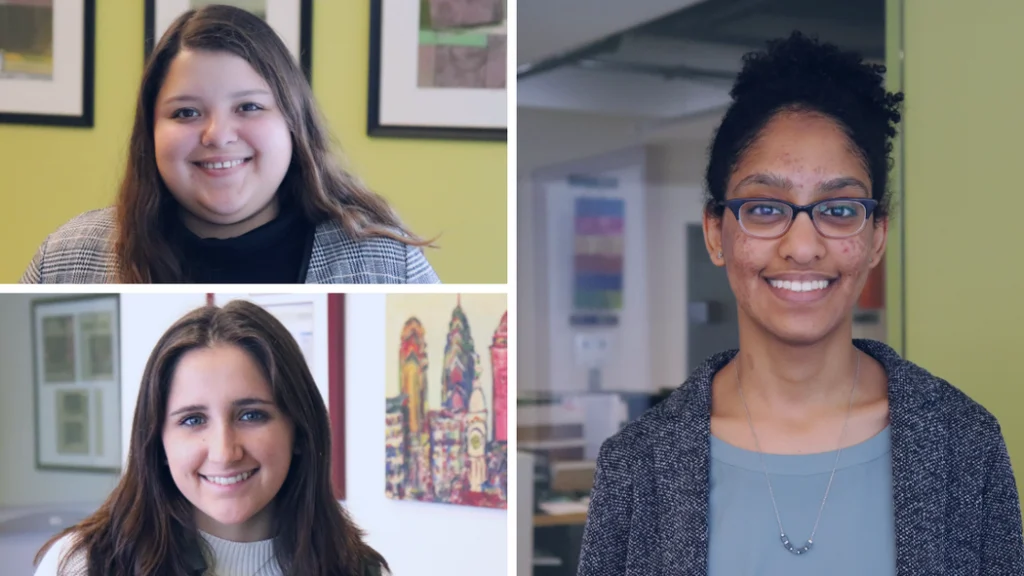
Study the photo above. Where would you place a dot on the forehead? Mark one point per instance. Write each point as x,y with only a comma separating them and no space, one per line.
216,374
202,72
804,148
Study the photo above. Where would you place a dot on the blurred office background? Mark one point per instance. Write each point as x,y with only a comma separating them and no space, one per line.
616,108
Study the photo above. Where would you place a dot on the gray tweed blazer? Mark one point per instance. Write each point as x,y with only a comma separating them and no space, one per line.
955,499
81,252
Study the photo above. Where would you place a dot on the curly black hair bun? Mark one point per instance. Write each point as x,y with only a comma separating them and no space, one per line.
800,73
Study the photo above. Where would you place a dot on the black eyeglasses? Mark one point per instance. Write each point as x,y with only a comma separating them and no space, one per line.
770,218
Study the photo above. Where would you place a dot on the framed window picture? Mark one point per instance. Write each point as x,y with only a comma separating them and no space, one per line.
47,62
76,351
291,19
317,322
438,69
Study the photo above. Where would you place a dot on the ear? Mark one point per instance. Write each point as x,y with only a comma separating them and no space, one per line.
713,235
879,241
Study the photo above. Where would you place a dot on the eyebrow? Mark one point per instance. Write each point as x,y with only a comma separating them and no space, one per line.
240,403
776,181
240,94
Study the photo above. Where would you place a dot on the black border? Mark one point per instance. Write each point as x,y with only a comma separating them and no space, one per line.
85,120
373,124
305,35
36,303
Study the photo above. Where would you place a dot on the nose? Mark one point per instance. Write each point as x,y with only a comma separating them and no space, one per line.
802,243
222,445
219,131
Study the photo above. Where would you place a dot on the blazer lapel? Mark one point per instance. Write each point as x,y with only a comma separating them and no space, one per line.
681,469
318,271
918,465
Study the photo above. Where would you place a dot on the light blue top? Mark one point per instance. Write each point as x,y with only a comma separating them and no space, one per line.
856,535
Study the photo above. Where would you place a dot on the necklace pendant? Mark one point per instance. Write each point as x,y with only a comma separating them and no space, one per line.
798,551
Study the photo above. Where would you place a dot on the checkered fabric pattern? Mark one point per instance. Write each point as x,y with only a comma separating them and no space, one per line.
954,495
81,252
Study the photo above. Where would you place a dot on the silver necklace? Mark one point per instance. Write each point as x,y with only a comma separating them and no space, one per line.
782,531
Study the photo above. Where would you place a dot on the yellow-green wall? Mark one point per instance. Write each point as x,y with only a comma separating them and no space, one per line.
964,201
455,189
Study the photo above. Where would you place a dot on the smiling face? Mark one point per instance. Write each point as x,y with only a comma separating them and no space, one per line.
223,146
801,286
228,446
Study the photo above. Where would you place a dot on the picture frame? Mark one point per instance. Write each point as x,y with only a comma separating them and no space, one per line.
438,78
336,383
317,321
77,365
47,62
292,19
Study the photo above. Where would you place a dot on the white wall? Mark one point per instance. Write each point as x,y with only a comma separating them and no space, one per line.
549,138
674,200
144,319
415,537
21,485
628,340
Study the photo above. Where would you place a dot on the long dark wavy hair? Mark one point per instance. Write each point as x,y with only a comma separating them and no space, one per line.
315,181
146,527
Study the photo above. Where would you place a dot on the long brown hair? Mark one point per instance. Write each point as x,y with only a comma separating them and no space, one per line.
315,180
146,526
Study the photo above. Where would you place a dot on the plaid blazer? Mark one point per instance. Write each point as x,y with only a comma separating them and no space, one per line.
81,252
956,505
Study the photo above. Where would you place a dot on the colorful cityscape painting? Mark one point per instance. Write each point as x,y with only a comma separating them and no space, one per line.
446,435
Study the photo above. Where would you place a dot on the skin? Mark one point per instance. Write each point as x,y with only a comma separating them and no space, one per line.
797,361
222,420
214,106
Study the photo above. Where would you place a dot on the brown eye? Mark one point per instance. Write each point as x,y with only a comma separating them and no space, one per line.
185,113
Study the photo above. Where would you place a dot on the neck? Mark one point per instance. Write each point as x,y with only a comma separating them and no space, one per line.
255,529
796,378
207,229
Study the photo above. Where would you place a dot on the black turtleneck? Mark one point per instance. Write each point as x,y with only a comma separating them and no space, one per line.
276,253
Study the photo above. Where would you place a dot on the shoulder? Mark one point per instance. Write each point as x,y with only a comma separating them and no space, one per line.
912,387
682,418
92,228
51,561
971,422
631,448
80,251
339,258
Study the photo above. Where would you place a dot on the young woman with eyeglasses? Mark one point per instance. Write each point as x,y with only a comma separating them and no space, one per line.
805,451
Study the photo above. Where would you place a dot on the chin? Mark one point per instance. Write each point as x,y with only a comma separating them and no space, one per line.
801,333
230,517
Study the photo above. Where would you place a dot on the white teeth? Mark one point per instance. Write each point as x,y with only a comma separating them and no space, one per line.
800,286
220,165
229,480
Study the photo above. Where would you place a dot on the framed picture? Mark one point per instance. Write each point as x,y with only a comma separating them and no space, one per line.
291,19
76,354
47,62
439,71
317,322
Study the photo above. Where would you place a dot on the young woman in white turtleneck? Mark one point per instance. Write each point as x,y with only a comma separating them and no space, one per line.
228,471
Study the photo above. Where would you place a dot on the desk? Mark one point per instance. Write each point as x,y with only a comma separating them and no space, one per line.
545,520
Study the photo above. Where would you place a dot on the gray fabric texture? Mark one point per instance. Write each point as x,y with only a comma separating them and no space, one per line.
955,501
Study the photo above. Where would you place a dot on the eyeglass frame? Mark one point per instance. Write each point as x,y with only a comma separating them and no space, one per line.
735,204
